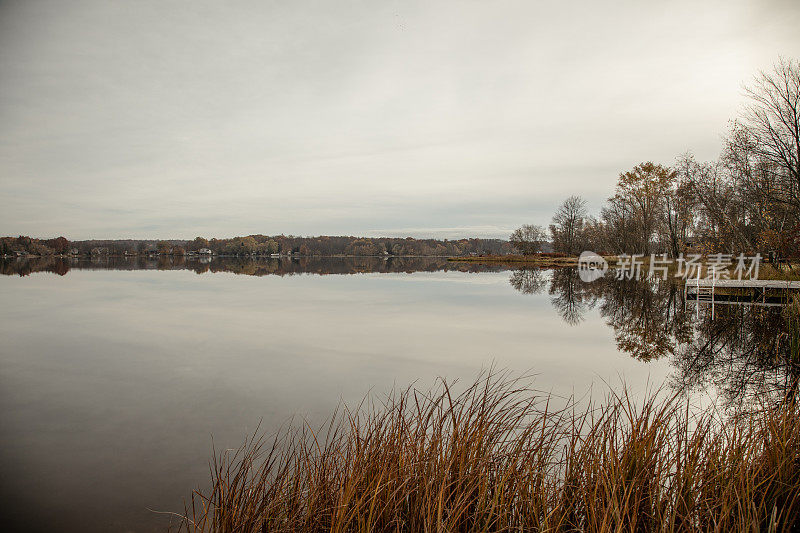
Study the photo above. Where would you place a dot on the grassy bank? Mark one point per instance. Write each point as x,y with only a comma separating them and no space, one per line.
498,457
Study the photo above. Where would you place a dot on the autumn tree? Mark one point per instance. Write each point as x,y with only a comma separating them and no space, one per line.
617,219
679,207
594,235
750,199
769,129
528,239
198,243
642,192
59,244
567,224
760,164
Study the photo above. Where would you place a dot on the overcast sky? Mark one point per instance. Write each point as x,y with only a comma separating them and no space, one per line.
183,118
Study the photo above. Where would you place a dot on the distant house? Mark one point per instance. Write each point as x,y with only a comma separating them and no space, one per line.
73,251
204,251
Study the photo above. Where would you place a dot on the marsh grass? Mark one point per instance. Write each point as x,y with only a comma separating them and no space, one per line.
498,456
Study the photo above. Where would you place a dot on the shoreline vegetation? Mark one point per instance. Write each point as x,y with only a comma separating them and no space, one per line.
500,456
61,264
255,245
787,270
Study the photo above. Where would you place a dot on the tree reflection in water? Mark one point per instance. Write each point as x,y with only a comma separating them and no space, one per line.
743,352
529,281
251,266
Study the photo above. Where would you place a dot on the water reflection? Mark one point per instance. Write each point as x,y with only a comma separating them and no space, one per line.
112,383
742,351
529,281
126,376
568,295
253,267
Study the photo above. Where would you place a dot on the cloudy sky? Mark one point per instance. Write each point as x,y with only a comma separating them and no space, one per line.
182,118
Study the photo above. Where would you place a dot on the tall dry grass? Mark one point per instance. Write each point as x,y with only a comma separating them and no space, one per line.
498,457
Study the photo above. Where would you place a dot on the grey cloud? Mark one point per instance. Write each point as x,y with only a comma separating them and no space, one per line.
172,119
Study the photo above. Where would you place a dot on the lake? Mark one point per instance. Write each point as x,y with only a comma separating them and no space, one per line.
115,375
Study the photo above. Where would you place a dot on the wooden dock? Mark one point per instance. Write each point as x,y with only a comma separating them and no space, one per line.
753,292
763,284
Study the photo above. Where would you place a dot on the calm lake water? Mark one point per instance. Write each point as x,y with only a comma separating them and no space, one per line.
115,375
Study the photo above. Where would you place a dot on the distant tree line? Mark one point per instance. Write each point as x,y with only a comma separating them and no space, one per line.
745,202
31,246
257,245
250,266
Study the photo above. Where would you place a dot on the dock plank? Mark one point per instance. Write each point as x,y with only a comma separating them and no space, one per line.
744,283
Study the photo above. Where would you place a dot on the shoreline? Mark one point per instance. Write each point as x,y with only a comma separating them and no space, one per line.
541,260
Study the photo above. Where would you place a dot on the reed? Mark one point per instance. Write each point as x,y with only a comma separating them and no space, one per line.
497,456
